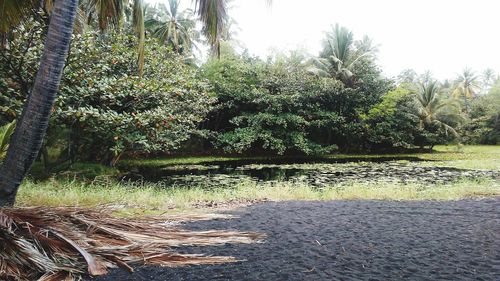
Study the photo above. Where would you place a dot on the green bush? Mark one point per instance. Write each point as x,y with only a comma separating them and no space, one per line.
111,111
103,107
264,107
484,124
392,123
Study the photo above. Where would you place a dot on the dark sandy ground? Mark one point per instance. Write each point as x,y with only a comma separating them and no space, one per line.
352,240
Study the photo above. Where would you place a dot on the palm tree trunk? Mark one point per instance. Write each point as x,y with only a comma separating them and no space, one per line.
466,104
31,127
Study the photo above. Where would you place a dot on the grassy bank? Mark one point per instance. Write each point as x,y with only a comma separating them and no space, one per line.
484,157
139,197
466,157
61,190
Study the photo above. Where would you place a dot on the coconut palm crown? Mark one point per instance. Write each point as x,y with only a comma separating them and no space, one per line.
172,26
340,53
434,110
467,87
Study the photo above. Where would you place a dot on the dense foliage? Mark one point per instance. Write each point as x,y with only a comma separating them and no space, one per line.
287,104
103,108
484,124
278,106
391,123
263,106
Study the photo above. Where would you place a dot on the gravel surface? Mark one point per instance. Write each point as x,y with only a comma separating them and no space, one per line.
352,240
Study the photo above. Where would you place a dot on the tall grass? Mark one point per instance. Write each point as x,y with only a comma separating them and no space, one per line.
159,197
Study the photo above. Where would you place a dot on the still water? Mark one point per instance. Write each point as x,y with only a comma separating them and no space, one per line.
318,173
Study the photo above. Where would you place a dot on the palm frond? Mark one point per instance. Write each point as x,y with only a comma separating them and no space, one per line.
433,110
173,27
344,53
13,12
105,12
319,66
6,132
446,128
64,243
467,86
213,15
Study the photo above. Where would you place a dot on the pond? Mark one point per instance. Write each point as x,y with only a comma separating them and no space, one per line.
317,172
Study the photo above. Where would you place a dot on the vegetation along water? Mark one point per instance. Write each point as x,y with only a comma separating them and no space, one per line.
114,113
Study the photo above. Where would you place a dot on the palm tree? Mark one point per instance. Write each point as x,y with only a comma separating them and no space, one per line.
213,15
173,27
432,110
407,76
488,78
467,86
340,53
30,130
138,21
426,77
105,12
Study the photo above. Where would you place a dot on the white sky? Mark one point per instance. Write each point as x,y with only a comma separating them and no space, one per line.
442,36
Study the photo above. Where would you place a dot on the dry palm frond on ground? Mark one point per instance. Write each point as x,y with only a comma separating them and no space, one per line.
65,243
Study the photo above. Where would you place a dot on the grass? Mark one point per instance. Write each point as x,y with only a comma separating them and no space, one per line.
481,157
466,157
200,160
176,160
154,198
145,198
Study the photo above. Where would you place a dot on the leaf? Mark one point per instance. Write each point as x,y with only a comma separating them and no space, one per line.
94,268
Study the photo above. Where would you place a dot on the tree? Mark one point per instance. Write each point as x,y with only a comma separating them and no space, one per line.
103,109
173,27
407,76
213,15
467,86
270,107
30,130
107,111
483,127
434,111
390,124
341,53
488,78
